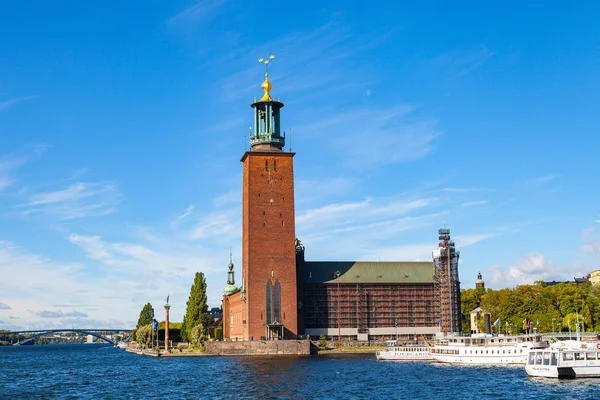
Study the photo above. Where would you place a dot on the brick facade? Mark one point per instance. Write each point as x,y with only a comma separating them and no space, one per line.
268,240
234,315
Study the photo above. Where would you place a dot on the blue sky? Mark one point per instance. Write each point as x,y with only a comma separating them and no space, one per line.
122,125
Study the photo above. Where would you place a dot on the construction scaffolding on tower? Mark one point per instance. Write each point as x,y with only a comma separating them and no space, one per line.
446,284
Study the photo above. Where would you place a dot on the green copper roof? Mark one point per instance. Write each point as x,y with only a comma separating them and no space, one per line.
368,272
229,289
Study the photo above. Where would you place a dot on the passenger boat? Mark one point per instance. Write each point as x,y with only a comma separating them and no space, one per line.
408,352
485,349
565,359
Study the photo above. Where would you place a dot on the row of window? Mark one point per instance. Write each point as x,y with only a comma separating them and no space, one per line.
545,358
445,351
496,352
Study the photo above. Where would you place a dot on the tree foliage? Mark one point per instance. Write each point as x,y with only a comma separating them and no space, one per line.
196,313
144,334
322,342
146,316
545,306
198,335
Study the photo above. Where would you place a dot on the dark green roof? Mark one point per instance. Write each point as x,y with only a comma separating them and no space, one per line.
368,271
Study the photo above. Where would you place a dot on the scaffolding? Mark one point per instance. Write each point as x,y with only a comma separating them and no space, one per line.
364,306
446,284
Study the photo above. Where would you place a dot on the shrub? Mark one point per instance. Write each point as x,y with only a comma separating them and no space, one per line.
322,342
218,333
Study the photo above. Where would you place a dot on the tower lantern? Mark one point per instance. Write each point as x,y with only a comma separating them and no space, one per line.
266,133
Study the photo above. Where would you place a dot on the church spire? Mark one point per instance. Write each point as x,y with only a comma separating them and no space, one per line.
266,132
230,288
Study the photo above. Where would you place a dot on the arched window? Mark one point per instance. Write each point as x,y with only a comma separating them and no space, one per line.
266,165
274,165
269,303
276,302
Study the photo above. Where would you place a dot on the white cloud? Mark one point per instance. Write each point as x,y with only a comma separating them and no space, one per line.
9,164
474,203
530,268
465,61
469,240
78,200
8,103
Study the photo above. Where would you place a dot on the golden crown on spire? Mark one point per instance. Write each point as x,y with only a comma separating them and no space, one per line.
266,85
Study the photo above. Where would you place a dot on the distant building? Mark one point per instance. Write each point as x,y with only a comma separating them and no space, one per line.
475,316
90,339
216,313
578,281
479,283
594,277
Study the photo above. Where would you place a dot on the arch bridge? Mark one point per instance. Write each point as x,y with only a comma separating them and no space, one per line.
97,333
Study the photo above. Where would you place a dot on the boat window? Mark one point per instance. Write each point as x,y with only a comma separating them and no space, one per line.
546,358
538,358
590,356
567,356
503,351
531,358
579,356
553,360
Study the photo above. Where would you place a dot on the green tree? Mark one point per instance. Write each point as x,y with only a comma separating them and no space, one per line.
144,334
199,335
322,342
146,316
218,333
196,312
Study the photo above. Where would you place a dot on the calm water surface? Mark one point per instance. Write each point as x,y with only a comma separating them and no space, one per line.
98,372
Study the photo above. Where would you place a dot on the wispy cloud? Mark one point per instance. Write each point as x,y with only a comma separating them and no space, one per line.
399,135
465,61
10,163
78,200
474,203
543,179
4,306
200,11
11,102
60,314
469,240
187,212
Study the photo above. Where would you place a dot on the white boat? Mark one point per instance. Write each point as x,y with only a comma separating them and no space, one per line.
409,352
566,359
485,349
121,345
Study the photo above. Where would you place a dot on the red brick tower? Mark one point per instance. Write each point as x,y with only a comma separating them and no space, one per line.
268,227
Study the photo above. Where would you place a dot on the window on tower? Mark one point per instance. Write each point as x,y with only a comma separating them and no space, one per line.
274,165
266,165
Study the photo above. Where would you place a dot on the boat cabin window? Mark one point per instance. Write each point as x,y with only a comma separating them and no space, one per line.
590,356
579,356
546,358
567,357
538,358
553,360
531,358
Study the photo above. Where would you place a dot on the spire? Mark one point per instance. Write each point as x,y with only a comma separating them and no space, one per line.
266,132
230,288
266,85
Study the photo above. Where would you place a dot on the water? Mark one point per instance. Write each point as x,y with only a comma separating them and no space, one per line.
99,372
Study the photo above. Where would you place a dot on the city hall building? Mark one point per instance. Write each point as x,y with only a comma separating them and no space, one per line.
283,296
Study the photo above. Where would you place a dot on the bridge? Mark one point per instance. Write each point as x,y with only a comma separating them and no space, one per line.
97,333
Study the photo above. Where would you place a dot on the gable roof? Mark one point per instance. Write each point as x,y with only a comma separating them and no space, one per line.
368,271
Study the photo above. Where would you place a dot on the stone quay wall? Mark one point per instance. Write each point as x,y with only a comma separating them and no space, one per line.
260,347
